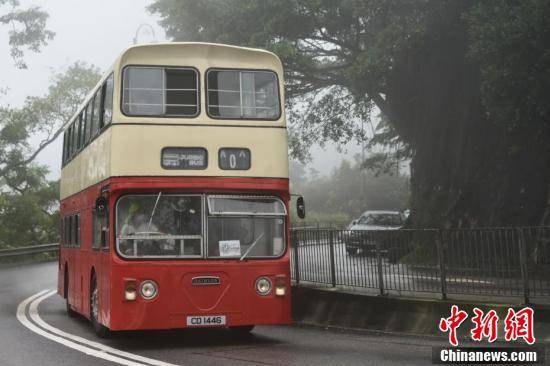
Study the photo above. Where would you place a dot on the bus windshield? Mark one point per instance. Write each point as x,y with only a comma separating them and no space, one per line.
245,227
169,226
159,226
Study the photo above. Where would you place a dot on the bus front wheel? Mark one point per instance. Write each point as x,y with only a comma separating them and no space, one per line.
101,330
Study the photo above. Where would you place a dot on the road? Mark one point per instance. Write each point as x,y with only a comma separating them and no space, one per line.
290,345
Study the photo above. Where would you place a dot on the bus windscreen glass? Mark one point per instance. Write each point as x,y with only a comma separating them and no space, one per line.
159,226
247,226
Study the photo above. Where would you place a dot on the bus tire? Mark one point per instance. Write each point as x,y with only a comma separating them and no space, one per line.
70,312
100,330
242,330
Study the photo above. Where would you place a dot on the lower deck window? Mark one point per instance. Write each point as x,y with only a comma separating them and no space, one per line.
159,226
245,227
164,226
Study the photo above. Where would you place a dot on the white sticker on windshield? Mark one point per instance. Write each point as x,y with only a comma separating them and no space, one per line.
230,248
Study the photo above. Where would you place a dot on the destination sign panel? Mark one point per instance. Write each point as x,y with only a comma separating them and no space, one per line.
184,158
232,158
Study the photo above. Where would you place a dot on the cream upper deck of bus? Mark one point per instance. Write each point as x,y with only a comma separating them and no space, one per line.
132,145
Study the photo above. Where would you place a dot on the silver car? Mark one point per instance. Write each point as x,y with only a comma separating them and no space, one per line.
357,242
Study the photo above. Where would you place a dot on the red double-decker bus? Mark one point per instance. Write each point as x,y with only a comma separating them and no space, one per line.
174,192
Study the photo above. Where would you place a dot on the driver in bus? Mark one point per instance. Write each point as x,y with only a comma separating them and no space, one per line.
137,223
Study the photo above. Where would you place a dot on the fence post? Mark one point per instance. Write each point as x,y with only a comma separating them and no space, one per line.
441,261
332,262
295,240
379,262
523,265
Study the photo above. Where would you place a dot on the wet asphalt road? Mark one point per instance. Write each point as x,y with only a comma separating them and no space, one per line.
292,345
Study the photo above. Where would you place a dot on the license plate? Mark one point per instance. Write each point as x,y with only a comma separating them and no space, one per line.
205,321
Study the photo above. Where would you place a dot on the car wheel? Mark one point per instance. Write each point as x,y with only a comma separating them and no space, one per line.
101,330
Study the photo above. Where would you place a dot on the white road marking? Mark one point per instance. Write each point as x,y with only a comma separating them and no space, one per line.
100,350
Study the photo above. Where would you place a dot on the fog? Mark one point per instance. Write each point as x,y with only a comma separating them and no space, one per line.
81,28
85,31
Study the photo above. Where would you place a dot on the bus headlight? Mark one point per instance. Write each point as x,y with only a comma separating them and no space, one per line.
148,290
263,286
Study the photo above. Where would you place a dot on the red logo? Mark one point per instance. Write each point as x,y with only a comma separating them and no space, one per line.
452,323
519,325
485,325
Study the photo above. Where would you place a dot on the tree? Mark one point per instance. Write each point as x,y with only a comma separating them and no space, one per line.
40,117
424,64
28,202
28,29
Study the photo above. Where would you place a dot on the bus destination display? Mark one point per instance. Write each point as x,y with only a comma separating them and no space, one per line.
184,158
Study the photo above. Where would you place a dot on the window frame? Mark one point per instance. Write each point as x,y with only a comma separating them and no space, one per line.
96,116
64,154
204,229
84,127
203,239
73,139
206,88
247,215
103,99
245,197
162,67
97,242
80,133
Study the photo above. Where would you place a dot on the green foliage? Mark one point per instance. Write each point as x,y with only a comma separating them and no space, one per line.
462,86
30,217
515,84
40,118
28,29
28,202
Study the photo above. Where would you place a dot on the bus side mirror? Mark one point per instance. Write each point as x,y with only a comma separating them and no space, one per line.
101,206
301,207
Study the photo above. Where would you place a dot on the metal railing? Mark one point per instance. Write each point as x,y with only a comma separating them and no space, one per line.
507,262
35,249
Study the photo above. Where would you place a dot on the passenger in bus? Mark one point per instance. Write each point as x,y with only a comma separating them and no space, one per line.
188,221
187,217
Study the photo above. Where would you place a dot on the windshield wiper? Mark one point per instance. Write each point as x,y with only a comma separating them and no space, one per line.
153,212
251,246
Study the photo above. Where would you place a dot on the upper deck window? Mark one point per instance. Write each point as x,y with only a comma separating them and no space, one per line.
242,94
156,91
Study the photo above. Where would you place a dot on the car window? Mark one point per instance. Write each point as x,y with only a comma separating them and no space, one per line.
381,219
